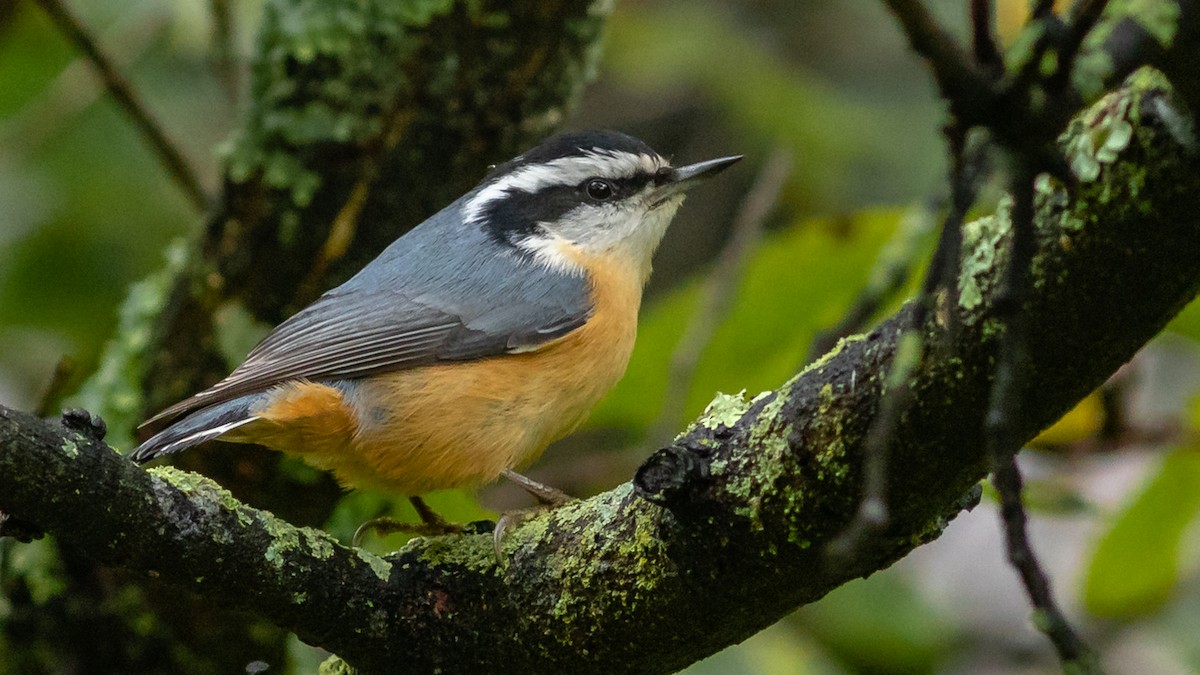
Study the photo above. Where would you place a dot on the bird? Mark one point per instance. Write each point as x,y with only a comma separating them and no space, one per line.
472,341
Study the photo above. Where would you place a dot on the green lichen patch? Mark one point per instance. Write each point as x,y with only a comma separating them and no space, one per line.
825,359
724,410
381,567
327,76
981,246
334,665
206,492
745,482
288,541
1098,137
632,567
1049,193
472,552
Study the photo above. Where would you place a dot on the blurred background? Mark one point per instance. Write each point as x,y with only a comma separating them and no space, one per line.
826,88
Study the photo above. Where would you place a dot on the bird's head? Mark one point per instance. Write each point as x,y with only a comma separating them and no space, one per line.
585,194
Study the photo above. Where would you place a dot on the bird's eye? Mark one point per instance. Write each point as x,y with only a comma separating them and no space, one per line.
599,189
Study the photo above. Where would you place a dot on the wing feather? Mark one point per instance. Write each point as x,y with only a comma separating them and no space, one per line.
406,309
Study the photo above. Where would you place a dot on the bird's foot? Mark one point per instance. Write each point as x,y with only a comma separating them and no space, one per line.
548,498
431,524
386,526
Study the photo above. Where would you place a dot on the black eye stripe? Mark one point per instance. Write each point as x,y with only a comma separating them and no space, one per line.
517,214
622,187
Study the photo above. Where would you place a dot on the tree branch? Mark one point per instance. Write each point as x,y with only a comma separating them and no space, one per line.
721,533
167,150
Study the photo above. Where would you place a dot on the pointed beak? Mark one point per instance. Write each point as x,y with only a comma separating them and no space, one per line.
672,181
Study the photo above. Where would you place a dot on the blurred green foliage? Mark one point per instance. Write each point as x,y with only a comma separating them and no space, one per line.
87,208
1136,563
817,265
847,147
85,211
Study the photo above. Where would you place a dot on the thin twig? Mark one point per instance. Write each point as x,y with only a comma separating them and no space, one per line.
1004,409
967,167
130,102
873,511
1041,9
225,63
1030,72
983,42
1084,15
74,87
1026,124
952,69
716,295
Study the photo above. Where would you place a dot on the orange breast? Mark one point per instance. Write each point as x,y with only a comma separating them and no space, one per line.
461,424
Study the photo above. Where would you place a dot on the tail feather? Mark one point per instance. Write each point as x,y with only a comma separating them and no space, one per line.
202,425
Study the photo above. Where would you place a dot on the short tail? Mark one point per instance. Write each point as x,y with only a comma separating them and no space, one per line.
202,425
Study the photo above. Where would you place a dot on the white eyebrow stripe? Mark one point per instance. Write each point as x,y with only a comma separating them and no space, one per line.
563,171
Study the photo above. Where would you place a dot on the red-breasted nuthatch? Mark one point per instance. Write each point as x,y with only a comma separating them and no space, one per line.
473,341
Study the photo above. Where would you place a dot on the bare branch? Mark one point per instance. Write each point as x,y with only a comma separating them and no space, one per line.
958,80
983,42
224,53
167,151
1005,408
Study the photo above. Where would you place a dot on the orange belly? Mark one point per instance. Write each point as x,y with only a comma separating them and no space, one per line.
457,424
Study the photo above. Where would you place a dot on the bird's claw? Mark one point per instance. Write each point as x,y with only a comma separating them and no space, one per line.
512,520
386,526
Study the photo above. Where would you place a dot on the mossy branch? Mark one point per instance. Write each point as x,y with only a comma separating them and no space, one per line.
724,531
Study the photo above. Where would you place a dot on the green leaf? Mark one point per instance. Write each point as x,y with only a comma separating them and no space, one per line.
1137,561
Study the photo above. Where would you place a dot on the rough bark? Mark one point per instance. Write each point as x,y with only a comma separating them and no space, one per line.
724,531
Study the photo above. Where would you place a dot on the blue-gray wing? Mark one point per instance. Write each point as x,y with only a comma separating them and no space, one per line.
436,294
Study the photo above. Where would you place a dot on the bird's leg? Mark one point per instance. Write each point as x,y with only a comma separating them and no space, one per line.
431,524
545,494
547,497
429,517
